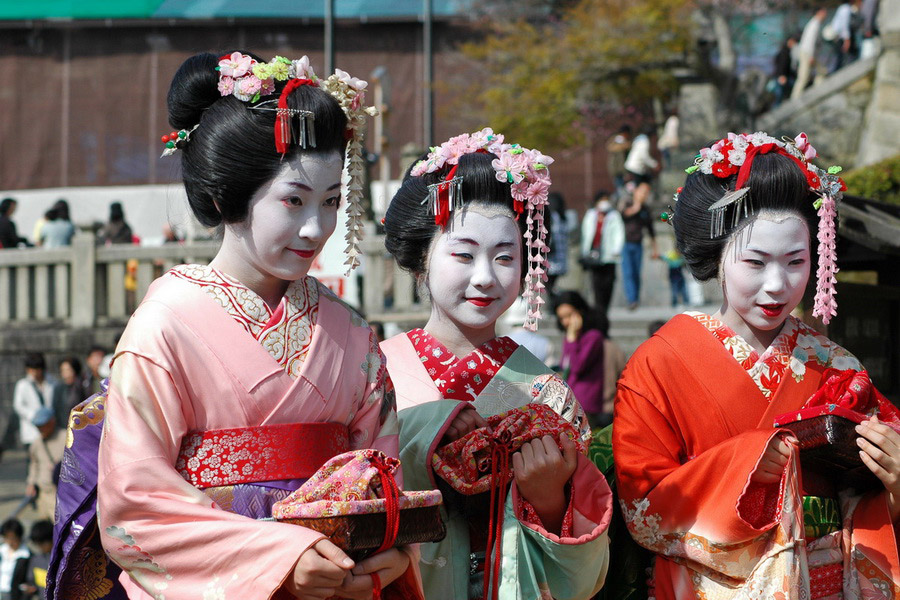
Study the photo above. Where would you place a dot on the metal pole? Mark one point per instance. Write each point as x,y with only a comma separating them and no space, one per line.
428,51
329,37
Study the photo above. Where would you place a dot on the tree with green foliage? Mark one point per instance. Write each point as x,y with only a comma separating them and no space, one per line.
547,81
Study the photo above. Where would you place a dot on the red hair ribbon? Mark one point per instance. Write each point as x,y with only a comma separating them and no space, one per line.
283,115
442,210
752,151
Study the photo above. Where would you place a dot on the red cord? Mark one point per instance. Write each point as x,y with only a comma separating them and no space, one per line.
392,506
499,480
376,586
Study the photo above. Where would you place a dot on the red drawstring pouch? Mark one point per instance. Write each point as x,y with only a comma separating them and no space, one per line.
466,464
825,426
480,462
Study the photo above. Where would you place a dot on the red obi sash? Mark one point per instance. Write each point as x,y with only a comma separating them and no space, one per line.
221,457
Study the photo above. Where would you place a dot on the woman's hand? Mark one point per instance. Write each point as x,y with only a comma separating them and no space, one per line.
466,421
576,322
880,451
774,459
542,471
320,572
389,565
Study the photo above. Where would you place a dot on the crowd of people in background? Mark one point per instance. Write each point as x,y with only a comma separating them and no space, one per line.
40,409
56,230
823,47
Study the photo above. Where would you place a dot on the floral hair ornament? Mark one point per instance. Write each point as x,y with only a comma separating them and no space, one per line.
734,155
176,140
526,171
249,80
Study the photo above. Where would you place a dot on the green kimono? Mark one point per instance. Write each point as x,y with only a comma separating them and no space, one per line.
535,563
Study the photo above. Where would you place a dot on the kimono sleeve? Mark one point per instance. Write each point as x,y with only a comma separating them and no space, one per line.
167,535
704,510
572,565
375,423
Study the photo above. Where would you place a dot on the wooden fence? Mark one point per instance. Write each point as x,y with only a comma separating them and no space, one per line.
86,285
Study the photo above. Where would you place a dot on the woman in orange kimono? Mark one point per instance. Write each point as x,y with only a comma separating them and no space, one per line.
705,480
235,381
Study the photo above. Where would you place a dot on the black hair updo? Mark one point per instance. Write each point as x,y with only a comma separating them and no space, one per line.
232,152
776,183
409,223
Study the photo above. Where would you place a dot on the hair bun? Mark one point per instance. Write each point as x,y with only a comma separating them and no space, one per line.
194,89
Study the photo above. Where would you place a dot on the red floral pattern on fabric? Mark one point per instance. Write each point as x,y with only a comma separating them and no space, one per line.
796,346
529,515
350,484
285,333
461,378
466,463
222,457
826,581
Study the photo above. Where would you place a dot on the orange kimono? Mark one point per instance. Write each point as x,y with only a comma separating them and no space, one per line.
693,416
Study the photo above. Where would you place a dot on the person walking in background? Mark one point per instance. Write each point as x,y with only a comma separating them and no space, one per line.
41,537
784,70
74,386
668,141
602,238
582,354
640,165
32,393
534,342
617,148
677,283
117,230
44,454
559,241
13,559
844,24
807,50
614,360
870,34
9,237
636,218
57,231
95,361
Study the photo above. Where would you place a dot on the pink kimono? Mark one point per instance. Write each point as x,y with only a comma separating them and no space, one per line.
201,353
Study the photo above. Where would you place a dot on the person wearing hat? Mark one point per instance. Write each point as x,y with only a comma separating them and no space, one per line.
45,453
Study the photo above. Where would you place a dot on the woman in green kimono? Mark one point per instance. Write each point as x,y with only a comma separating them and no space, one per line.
467,221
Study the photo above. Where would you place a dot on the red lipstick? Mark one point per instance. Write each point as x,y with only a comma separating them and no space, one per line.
481,302
303,253
772,310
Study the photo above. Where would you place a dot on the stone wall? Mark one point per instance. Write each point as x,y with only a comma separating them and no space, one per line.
832,113
881,134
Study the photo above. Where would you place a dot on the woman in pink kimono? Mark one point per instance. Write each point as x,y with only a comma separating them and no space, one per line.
465,222
235,381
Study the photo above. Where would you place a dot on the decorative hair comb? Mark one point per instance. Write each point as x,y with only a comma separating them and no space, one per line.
248,80
527,173
734,154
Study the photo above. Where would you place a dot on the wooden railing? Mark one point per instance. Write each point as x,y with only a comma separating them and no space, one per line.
86,285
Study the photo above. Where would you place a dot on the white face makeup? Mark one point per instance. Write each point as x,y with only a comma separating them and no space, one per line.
474,273
290,218
765,270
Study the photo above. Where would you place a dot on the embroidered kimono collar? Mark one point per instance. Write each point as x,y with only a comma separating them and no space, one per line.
285,332
461,378
795,346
